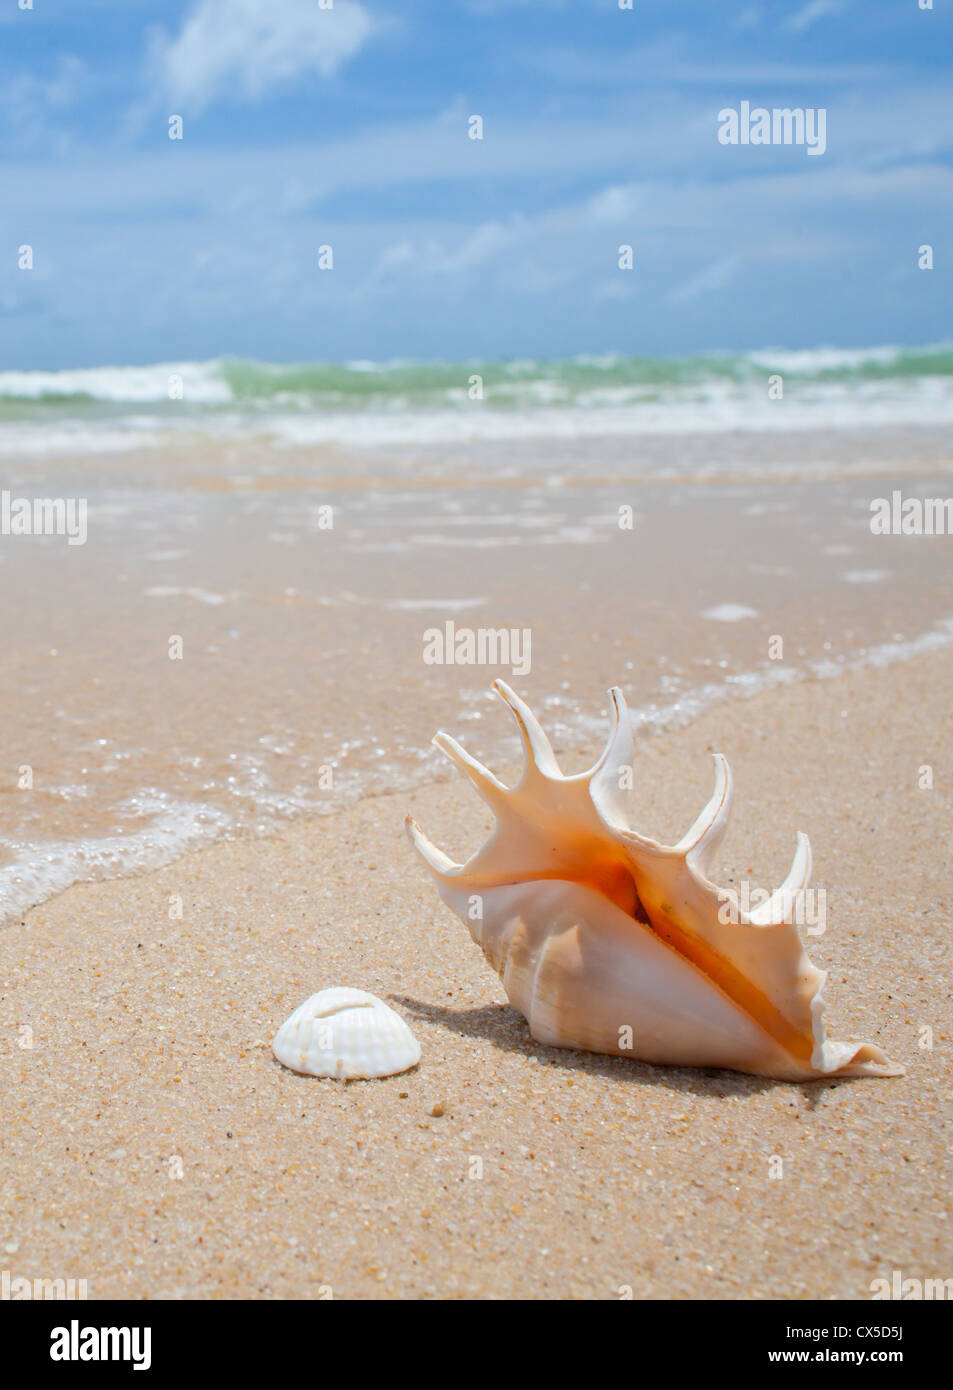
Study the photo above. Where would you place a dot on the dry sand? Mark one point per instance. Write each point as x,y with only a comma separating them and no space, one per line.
151,1056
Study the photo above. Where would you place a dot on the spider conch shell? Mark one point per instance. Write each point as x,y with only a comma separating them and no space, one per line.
611,942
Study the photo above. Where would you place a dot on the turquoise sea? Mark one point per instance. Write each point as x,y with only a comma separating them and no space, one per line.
370,404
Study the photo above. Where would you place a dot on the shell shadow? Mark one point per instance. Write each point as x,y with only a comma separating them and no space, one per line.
507,1030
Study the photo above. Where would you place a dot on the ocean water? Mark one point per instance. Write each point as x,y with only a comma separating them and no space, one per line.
303,683
369,405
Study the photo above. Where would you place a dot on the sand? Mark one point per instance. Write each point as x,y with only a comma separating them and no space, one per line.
152,1146
216,652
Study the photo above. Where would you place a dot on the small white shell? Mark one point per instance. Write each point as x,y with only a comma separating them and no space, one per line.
348,1034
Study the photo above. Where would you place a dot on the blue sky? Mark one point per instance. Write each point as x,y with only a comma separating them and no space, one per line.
306,126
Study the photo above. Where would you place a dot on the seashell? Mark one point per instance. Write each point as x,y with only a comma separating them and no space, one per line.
346,1033
608,941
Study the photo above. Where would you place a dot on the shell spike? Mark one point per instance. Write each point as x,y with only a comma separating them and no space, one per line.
614,770
440,863
619,748
781,906
700,842
539,753
619,707
489,787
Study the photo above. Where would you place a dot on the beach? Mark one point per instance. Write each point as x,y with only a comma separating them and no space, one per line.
248,634
598,1177
476,596
218,711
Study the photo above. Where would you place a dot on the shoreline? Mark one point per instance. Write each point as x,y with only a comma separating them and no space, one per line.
198,827
735,456
151,1042
254,641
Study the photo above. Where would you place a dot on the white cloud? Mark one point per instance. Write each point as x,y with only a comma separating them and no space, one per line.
668,61
495,7
749,18
30,104
811,13
612,204
713,277
247,48
29,94
485,241
430,256
614,291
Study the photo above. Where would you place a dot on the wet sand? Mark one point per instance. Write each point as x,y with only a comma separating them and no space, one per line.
213,659
152,1146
